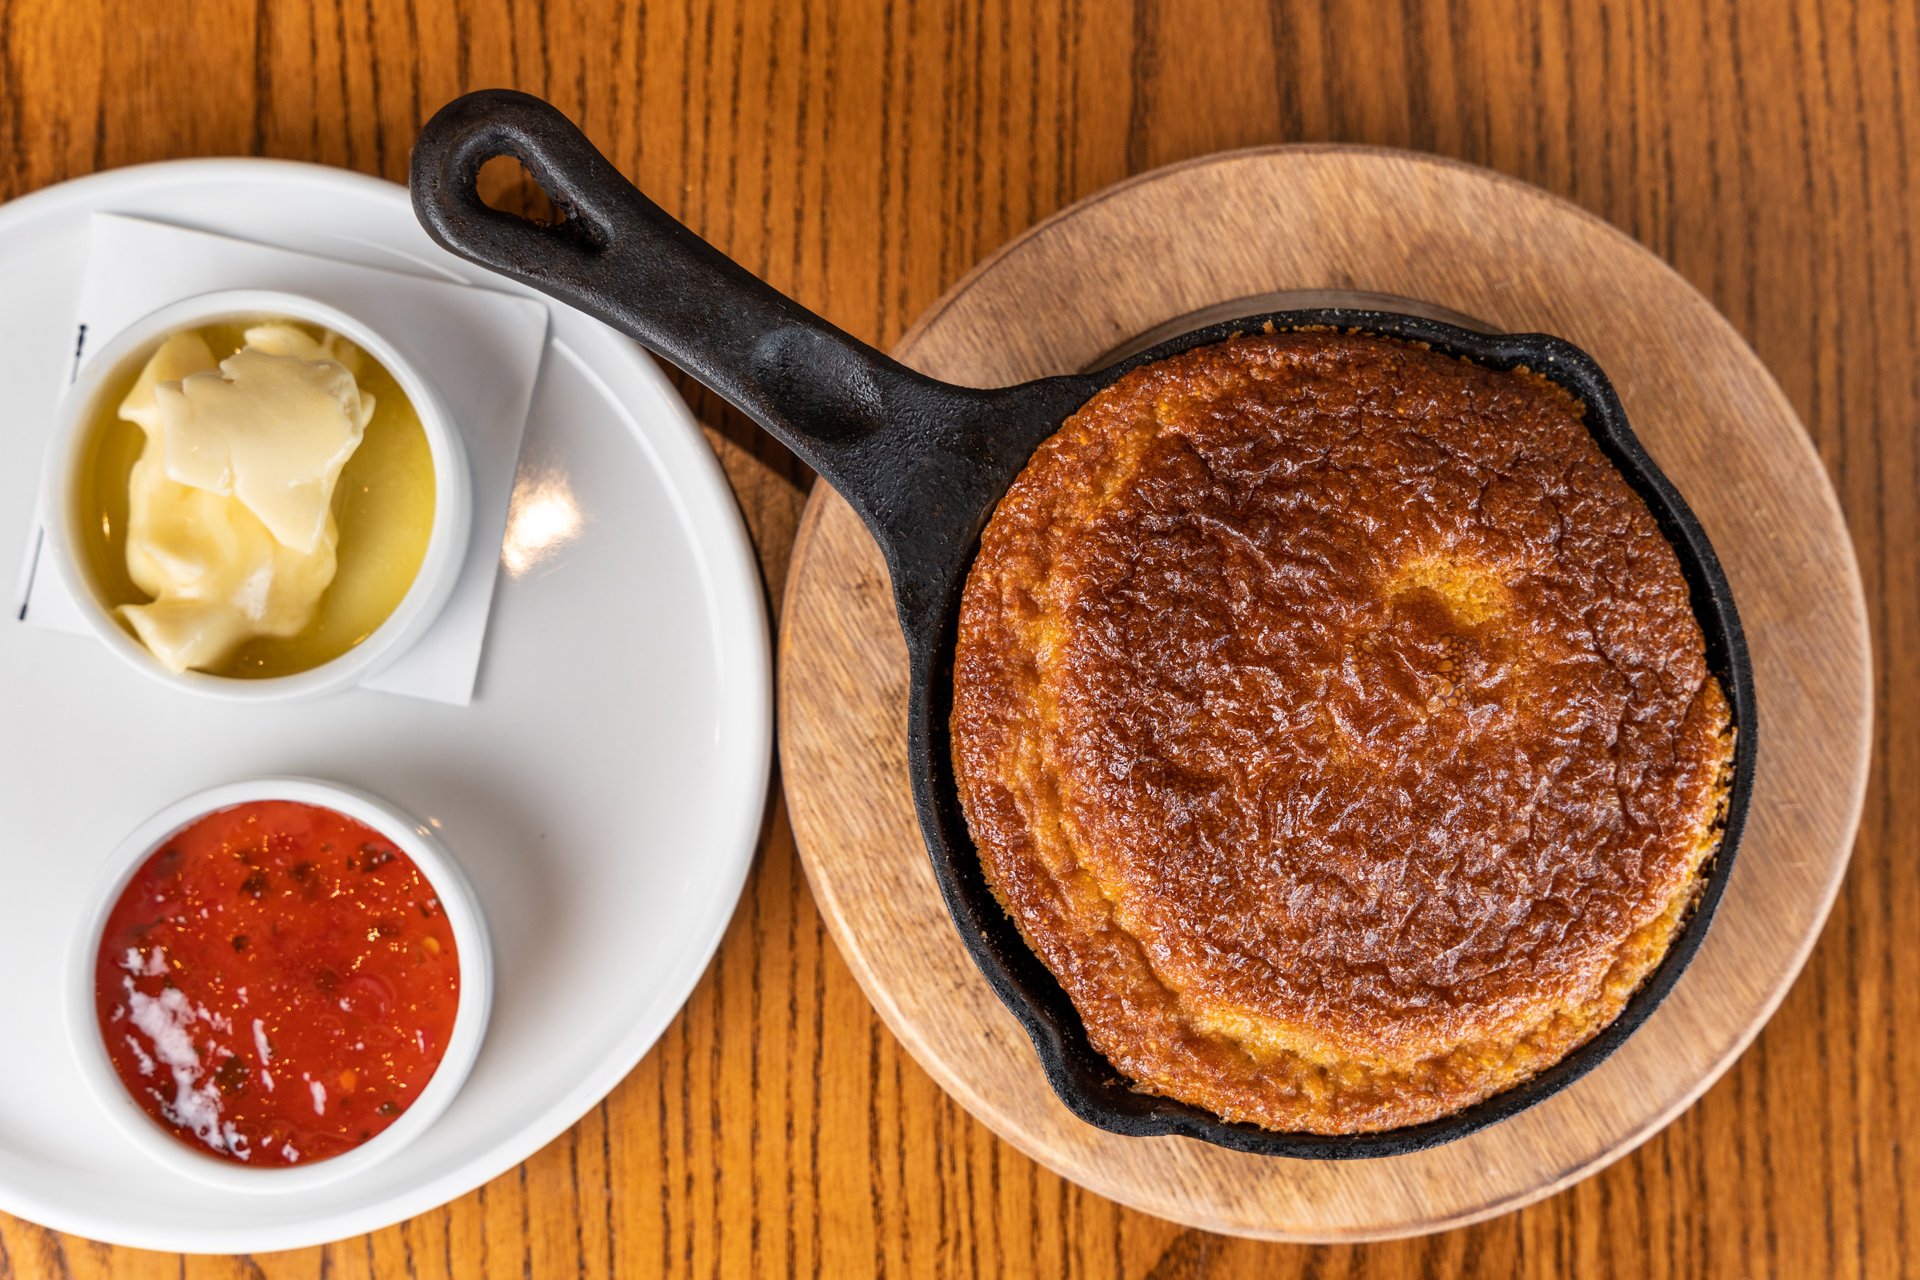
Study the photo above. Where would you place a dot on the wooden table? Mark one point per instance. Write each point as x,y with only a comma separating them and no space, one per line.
862,157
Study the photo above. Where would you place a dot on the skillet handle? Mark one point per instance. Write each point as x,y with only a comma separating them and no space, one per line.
622,258
922,461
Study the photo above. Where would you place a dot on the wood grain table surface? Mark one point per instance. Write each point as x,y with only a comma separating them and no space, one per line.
862,156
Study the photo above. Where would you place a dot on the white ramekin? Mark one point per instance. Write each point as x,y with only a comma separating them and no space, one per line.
452,508
470,1016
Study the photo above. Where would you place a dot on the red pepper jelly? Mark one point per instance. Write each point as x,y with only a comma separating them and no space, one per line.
276,984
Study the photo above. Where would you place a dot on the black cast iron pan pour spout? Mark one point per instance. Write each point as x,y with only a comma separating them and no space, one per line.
924,463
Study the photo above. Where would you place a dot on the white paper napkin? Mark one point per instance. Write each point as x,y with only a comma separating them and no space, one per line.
479,348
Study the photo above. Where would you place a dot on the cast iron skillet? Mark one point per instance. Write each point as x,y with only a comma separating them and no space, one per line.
924,463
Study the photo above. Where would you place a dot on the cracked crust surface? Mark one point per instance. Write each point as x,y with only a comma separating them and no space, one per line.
1333,722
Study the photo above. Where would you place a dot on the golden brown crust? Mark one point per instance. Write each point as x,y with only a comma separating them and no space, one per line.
1332,720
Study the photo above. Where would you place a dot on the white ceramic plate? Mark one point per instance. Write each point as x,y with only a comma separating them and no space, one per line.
603,792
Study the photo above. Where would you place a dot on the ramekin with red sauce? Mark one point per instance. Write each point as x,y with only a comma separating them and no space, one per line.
281,983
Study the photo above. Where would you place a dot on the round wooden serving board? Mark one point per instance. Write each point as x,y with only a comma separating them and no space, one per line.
1216,237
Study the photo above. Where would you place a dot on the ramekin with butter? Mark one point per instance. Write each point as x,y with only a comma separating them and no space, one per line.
255,496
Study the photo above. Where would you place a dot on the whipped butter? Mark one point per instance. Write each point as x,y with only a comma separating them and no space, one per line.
230,526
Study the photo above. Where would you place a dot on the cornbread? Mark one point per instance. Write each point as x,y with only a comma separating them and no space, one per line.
1333,722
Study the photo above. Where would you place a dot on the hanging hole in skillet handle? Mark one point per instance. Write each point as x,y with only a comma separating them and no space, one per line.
508,186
